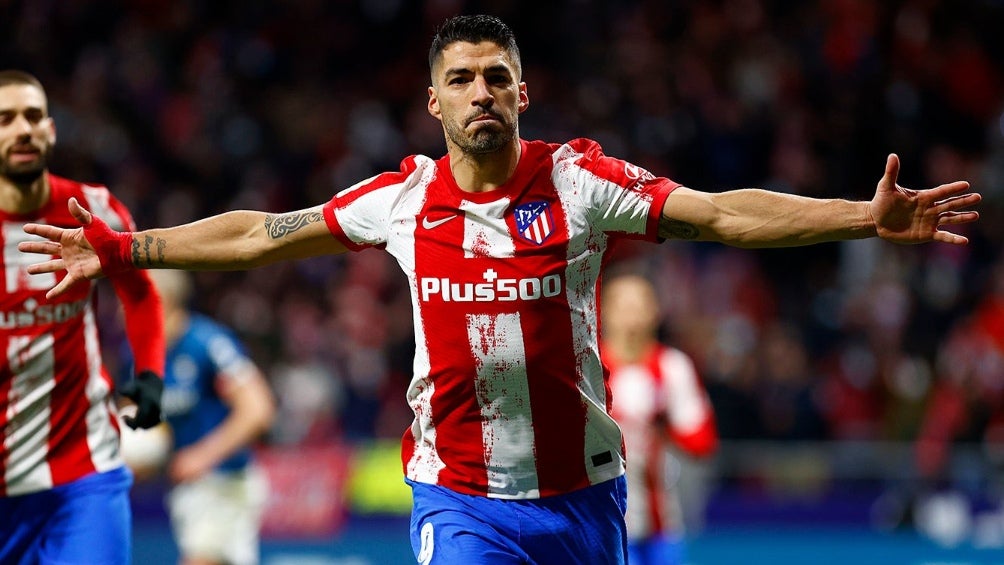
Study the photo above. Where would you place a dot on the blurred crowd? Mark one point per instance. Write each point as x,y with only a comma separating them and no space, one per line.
186,108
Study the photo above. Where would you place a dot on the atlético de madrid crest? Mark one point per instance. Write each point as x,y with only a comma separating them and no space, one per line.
534,221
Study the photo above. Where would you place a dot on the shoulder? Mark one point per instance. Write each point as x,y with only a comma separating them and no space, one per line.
675,359
583,156
202,326
63,189
413,168
587,154
96,198
577,150
670,352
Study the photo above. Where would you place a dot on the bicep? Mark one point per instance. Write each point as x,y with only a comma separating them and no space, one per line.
299,234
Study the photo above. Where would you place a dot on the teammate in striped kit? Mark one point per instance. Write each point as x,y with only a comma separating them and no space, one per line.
512,456
63,487
659,402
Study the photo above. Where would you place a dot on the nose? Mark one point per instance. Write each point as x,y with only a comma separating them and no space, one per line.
482,94
21,125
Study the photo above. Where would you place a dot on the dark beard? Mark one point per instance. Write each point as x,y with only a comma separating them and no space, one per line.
24,175
484,141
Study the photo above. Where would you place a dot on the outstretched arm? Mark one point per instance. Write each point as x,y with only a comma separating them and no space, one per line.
229,241
760,218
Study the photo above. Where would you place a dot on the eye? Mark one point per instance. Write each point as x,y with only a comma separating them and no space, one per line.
502,80
34,115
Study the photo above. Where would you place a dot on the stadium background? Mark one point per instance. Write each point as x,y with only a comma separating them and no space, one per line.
857,386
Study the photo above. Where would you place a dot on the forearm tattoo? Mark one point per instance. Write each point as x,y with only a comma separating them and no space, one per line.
284,224
142,253
670,228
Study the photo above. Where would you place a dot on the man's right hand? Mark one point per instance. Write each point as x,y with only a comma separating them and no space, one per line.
87,252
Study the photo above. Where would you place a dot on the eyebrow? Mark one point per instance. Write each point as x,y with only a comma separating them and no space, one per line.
25,109
466,70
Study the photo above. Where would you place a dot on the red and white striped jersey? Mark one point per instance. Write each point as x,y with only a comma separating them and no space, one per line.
509,394
658,402
56,408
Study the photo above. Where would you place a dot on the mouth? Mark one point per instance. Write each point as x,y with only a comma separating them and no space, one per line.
23,154
488,117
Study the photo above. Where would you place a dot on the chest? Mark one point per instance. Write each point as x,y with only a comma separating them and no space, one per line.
638,394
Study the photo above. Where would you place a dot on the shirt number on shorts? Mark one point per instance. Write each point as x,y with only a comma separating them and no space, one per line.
428,544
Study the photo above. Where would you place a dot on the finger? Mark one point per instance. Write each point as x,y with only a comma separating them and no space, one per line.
46,231
46,267
43,247
945,191
949,237
78,212
891,172
60,288
959,201
954,218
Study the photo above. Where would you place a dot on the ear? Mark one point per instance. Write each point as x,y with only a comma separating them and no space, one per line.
52,129
433,105
524,99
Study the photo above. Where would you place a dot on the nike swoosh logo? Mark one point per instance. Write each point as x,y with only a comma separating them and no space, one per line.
434,224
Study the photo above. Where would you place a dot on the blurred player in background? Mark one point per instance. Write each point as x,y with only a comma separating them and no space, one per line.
512,456
63,487
217,403
660,404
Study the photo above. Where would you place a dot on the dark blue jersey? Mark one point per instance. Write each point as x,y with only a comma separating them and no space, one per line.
198,365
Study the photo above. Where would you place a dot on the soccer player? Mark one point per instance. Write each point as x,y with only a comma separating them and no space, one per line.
216,403
659,403
63,487
513,456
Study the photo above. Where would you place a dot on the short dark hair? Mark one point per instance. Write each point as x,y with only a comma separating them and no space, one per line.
14,76
475,29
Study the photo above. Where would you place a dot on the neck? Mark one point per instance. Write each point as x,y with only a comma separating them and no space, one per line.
18,198
627,348
487,171
175,323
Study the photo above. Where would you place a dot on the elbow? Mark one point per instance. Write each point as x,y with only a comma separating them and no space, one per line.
266,409
702,443
253,253
267,416
704,450
256,406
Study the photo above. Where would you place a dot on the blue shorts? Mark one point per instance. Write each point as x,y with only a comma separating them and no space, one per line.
657,550
582,527
84,522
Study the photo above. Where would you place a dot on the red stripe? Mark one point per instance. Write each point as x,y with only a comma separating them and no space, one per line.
457,417
69,454
655,212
